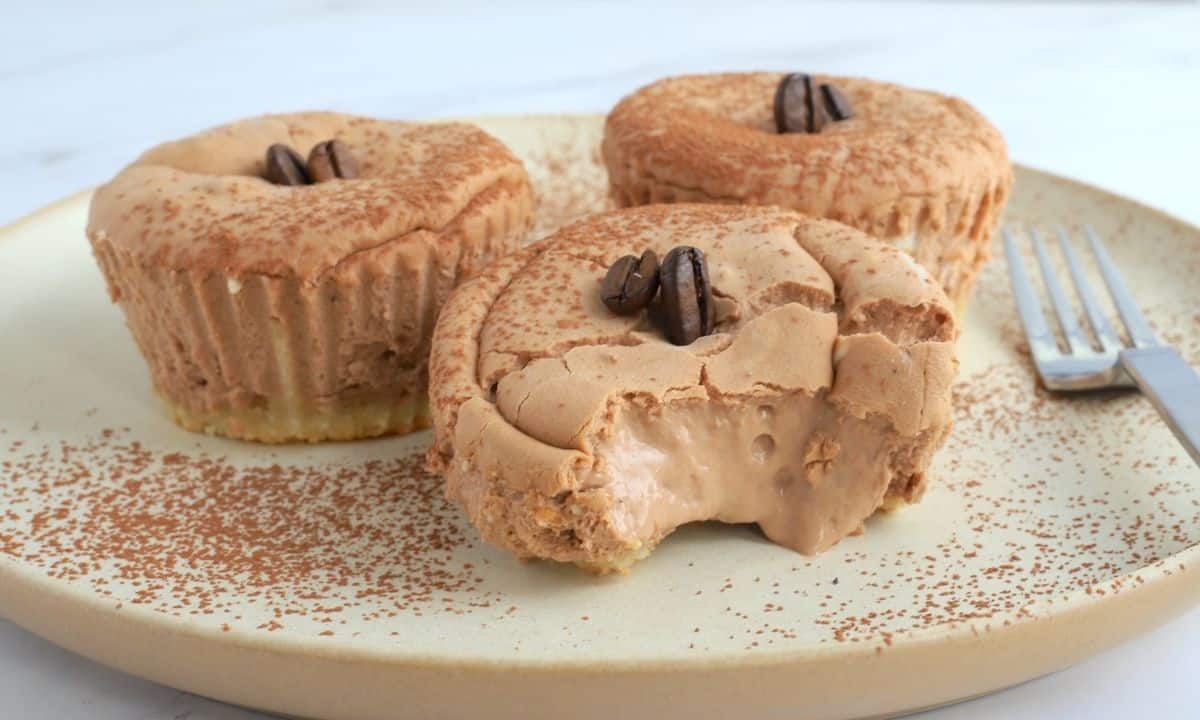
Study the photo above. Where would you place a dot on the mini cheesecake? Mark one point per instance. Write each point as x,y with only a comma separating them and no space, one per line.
275,300
924,172
818,392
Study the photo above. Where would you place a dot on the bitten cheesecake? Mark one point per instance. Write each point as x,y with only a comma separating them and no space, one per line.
818,394
278,298
924,172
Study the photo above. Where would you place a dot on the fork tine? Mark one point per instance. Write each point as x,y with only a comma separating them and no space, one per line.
1041,342
1139,330
1079,343
1095,313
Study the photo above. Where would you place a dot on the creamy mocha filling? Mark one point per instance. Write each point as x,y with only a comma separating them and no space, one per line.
792,463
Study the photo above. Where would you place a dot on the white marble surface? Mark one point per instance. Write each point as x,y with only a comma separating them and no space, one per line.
1107,93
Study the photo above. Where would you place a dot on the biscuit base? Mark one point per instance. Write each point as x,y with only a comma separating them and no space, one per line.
282,422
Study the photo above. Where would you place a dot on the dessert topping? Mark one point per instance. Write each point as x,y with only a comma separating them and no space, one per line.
285,166
801,106
331,160
631,283
328,160
687,300
835,103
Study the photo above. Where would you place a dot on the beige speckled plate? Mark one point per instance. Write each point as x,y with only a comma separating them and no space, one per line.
334,582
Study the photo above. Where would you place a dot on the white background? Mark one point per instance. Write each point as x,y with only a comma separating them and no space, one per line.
1109,93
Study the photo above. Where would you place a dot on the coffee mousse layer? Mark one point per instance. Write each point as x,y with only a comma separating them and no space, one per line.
568,432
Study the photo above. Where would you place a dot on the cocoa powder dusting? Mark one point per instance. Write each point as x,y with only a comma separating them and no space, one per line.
194,534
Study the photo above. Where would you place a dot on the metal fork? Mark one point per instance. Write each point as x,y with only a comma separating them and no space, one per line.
1155,369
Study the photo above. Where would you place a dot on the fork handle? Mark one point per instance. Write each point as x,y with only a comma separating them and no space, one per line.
1174,388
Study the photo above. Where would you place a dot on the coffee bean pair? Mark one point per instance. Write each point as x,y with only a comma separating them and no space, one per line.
328,160
801,107
687,302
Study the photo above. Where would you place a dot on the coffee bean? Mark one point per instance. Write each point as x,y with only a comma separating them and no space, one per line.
820,114
687,301
631,283
285,166
802,107
793,104
835,103
331,160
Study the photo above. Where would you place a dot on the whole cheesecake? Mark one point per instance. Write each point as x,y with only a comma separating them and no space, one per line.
818,395
924,172
277,301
